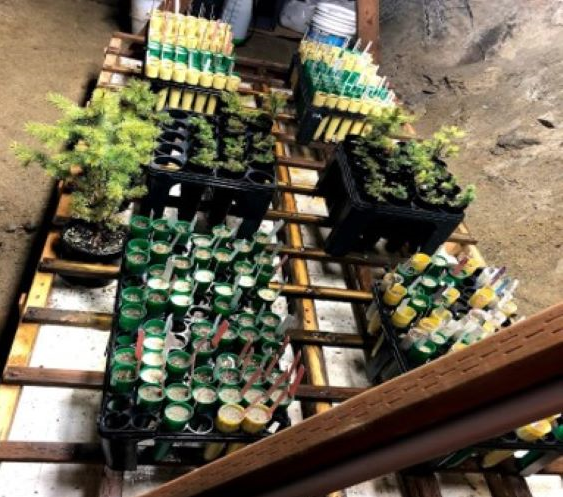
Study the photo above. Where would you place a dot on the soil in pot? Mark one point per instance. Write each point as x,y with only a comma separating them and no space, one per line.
86,242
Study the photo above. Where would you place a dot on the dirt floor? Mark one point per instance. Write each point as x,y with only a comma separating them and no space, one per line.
46,46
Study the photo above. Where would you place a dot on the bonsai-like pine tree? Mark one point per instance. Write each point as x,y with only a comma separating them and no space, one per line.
101,148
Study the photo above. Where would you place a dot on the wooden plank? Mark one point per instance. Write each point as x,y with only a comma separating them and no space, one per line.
51,452
62,317
507,485
111,484
23,343
418,485
323,292
555,468
316,254
367,12
517,360
300,162
297,217
94,380
53,377
74,268
328,339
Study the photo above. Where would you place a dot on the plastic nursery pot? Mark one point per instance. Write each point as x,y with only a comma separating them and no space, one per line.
202,257
201,240
155,376
152,359
183,286
256,418
177,364
132,295
153,344
421,351
177,392
131,316
246,282
420,302
394,294
248,333
229,395
124,356
228,376
227,360
222,233
203,375
246,319
274,375
261,239
420,261
268,335
201,329
243,268
124,339
140,227
158,283
265,297
150,397
179,304
223,290
429,284
254,395
157,302
156,270
123,378
255,360
227,340
182,228
176,415
456,279
221,259
283,405
136,262
229,418
243,248
154,327
402,317
265,275
203,279
438,265
247,375
182,266
205,398
160,251
269,347
269,321
407,272
161,229
222,306
137,245
204,351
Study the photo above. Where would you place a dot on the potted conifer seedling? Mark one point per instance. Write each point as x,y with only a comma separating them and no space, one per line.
99,151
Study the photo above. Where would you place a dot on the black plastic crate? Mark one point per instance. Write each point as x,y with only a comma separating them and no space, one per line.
310,116
132,435
247,195
390,361
357,222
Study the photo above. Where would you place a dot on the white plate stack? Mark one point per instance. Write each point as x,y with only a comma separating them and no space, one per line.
337,18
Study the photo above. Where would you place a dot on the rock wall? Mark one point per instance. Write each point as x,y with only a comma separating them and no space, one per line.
494,69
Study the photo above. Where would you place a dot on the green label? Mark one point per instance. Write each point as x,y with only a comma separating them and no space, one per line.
155,49
168,51
181,54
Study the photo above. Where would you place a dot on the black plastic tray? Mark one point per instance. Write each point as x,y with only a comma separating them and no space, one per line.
122,446
391,361
309,115
247,197
359,223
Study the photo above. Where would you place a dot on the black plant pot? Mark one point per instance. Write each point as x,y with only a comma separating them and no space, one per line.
420,202
263,123
85,242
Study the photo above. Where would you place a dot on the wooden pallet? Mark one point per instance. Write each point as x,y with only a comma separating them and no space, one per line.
317,393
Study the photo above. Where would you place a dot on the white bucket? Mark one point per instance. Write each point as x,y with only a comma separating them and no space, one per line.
141,12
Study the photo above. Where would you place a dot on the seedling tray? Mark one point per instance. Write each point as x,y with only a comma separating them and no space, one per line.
247,196
121,444
390,361
358,223
159,84
309,115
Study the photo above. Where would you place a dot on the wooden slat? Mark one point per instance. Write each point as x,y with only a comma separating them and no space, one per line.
323,293
51,452
418,485
74,268
556,467
111,484
93,380
316,254
61,317
507,485
328,339
300,163
297,217
53,377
